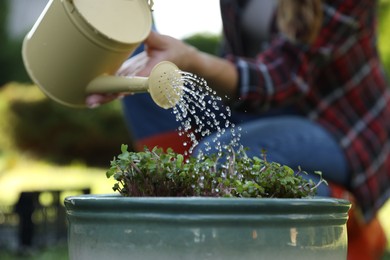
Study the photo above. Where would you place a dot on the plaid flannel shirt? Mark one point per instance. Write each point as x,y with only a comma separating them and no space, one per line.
337,81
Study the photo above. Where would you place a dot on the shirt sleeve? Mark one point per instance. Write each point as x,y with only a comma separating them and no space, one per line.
277,77
285,72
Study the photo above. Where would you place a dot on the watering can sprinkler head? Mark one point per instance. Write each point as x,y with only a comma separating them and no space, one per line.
164,84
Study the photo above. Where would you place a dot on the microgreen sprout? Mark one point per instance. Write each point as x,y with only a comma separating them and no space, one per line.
165,173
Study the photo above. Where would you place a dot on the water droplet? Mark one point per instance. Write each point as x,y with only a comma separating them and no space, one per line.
197,112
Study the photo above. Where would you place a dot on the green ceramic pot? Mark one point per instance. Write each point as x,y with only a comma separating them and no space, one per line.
115,227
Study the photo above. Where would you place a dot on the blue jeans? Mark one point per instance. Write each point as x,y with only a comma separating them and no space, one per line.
297,142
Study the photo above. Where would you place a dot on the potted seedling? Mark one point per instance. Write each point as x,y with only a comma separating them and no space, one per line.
209,207
218,206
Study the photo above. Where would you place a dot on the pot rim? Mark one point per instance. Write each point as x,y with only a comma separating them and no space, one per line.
195,210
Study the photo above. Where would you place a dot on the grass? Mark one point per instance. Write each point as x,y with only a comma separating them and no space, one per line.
59,252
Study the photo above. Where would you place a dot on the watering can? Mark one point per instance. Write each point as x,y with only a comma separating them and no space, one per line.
76,46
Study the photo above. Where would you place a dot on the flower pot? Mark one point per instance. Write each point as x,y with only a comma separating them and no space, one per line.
115,227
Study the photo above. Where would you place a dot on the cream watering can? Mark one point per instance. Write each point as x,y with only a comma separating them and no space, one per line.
76,46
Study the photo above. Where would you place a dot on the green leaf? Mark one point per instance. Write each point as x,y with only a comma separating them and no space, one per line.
179,160
124,148
158,173
110,172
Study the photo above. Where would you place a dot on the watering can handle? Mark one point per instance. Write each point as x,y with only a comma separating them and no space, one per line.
151,4
164,84
115,84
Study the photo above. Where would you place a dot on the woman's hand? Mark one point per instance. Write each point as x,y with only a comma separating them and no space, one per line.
132,66
219,73
159,48
129,68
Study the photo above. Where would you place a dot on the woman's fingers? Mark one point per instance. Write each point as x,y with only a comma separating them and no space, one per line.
133,65
95,100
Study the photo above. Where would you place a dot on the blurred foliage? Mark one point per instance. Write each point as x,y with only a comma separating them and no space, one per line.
384,33
205,42
12,67
3,41
3,19
58,252
32,123
11,63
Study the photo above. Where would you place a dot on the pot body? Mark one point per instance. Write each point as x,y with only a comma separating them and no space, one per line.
75,41
114,227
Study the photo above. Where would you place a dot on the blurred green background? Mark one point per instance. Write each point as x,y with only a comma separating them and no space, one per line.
47,147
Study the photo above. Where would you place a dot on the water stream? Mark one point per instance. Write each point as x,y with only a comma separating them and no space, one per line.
201,113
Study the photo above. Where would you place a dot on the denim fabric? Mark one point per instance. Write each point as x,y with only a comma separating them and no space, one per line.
294,141
145,119
288,139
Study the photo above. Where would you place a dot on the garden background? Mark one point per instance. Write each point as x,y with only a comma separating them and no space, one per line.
58,151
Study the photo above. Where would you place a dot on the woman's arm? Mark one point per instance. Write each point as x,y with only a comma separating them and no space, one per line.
220,74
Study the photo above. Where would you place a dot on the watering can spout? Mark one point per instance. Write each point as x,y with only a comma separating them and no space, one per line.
106,84
164,85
